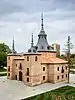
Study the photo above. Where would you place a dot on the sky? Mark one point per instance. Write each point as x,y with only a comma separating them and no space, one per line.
21,18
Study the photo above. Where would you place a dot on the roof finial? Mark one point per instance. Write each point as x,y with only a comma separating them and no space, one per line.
32,41
42,21
13,47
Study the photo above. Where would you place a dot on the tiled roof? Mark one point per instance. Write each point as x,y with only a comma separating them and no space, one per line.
52,60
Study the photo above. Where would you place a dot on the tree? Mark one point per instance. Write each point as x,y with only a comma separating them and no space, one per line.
4,50
68,53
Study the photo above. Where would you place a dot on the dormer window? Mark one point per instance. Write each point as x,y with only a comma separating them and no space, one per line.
48,47
42,47
36,47
29,50
34,51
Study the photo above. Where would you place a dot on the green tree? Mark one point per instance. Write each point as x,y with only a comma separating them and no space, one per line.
69,46
4,50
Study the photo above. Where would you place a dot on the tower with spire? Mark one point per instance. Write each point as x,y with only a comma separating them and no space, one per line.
42,44
32,41
13,47
32,49
42,21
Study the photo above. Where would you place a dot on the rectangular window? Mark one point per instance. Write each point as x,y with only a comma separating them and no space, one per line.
43,68
27,58
57,68
62,70
27,79
35,58
20,66
58,77
43,77
62,76
16,65
66,67
66,75
16,77
27,71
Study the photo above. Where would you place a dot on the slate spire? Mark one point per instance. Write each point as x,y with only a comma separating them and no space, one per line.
42,21
32,43
13,46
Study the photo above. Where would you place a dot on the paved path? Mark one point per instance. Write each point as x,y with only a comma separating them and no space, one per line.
16,90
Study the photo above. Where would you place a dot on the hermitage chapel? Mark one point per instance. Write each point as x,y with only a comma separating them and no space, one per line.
38,65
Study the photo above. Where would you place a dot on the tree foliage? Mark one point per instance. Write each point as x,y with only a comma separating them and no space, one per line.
4,50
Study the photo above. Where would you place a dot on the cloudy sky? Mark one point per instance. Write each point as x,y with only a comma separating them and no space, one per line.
19,18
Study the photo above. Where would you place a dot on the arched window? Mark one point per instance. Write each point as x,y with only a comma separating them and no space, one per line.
36,58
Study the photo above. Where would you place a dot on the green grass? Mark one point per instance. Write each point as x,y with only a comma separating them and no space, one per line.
63,93
2,70
3,74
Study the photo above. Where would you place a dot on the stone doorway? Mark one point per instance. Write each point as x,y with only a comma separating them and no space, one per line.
20,76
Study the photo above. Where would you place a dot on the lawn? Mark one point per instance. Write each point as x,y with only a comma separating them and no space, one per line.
2,70
63,93
3,74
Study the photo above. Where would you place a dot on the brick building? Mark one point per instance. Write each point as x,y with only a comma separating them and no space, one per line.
38,65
